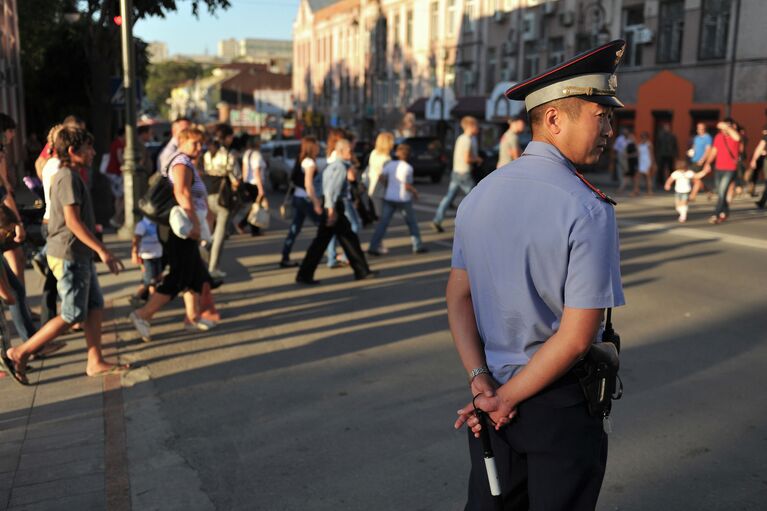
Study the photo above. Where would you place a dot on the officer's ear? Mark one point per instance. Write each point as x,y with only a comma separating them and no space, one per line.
552,119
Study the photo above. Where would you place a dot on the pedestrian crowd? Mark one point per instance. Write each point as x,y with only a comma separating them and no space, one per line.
717,164
218,182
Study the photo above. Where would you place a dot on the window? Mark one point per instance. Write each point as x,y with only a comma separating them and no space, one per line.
434,23
395,31
556,51
492,64
531,59
409,29
450,19
713,29
470,17
633,22
670,31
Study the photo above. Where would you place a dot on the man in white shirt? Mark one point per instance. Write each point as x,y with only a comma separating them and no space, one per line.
171,148
508,149
465,154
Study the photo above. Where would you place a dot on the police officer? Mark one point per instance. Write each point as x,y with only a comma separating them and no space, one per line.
535,264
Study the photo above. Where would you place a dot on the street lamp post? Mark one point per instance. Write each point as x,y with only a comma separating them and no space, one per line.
129,86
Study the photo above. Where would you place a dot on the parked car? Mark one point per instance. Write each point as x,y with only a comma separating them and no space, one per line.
280,157
427,156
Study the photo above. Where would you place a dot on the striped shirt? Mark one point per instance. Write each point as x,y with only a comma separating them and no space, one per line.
199,192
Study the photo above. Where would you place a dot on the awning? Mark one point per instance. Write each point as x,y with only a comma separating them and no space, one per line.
439,104
470,105
498,108
418,108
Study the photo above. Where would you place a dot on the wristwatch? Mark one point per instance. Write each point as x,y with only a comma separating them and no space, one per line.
477,371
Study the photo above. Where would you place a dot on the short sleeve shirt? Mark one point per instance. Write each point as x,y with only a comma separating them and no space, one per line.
699,145
509,141
682,180
150,247
68,189
199,192
534,239
398,174
726,153
464,146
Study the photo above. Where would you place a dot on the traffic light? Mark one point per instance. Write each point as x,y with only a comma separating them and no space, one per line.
118,20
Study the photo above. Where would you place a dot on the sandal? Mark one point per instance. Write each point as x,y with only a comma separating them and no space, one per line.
10,367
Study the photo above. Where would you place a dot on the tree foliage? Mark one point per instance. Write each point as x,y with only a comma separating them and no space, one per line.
164,76
67,66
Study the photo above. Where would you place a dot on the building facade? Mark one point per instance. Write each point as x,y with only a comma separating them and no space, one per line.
11,87
366,63
248,96
276,54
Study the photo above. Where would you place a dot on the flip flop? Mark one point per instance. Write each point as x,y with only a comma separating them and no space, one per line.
48,350
115,369
9,366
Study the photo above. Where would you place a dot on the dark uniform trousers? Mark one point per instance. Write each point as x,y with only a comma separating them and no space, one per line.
552,457
342,229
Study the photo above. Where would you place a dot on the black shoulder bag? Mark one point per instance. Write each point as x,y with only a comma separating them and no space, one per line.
159,199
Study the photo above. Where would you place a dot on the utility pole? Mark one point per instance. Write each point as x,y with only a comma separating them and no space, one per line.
129,86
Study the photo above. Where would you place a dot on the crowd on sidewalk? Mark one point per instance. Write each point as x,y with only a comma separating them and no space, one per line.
218,186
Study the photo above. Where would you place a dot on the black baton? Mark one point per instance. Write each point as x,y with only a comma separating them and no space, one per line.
487,453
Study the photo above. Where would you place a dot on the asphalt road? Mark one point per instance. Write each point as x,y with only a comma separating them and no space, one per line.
342,396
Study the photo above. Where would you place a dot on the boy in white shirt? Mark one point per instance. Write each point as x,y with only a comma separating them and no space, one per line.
398,176
146,250
682,178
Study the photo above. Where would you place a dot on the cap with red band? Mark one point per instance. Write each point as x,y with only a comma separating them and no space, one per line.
589,76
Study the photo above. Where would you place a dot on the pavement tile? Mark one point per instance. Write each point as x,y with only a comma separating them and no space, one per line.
61,456
72,439
93,501
6,480
57,491
65,426
49,473
9,463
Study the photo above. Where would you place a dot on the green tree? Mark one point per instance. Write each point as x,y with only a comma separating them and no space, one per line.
164,76
67,66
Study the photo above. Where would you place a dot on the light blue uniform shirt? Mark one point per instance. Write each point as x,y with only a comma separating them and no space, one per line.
534,239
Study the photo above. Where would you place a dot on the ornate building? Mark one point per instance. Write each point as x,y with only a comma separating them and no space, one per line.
366,63
11,91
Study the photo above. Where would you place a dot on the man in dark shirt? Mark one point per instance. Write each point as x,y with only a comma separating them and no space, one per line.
666,149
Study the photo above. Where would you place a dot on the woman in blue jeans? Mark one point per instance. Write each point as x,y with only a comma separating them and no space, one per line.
307,182
400,192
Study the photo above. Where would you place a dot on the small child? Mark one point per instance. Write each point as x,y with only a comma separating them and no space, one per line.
682,178
146,250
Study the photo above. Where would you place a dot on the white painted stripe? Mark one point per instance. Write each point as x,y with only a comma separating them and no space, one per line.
691,232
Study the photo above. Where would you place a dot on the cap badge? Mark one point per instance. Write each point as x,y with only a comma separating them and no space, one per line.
619,54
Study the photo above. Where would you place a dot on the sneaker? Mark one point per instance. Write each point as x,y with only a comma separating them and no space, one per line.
201,325
420,250
141,326
759,204
217,274
437,227
374,253
307,282
287,263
